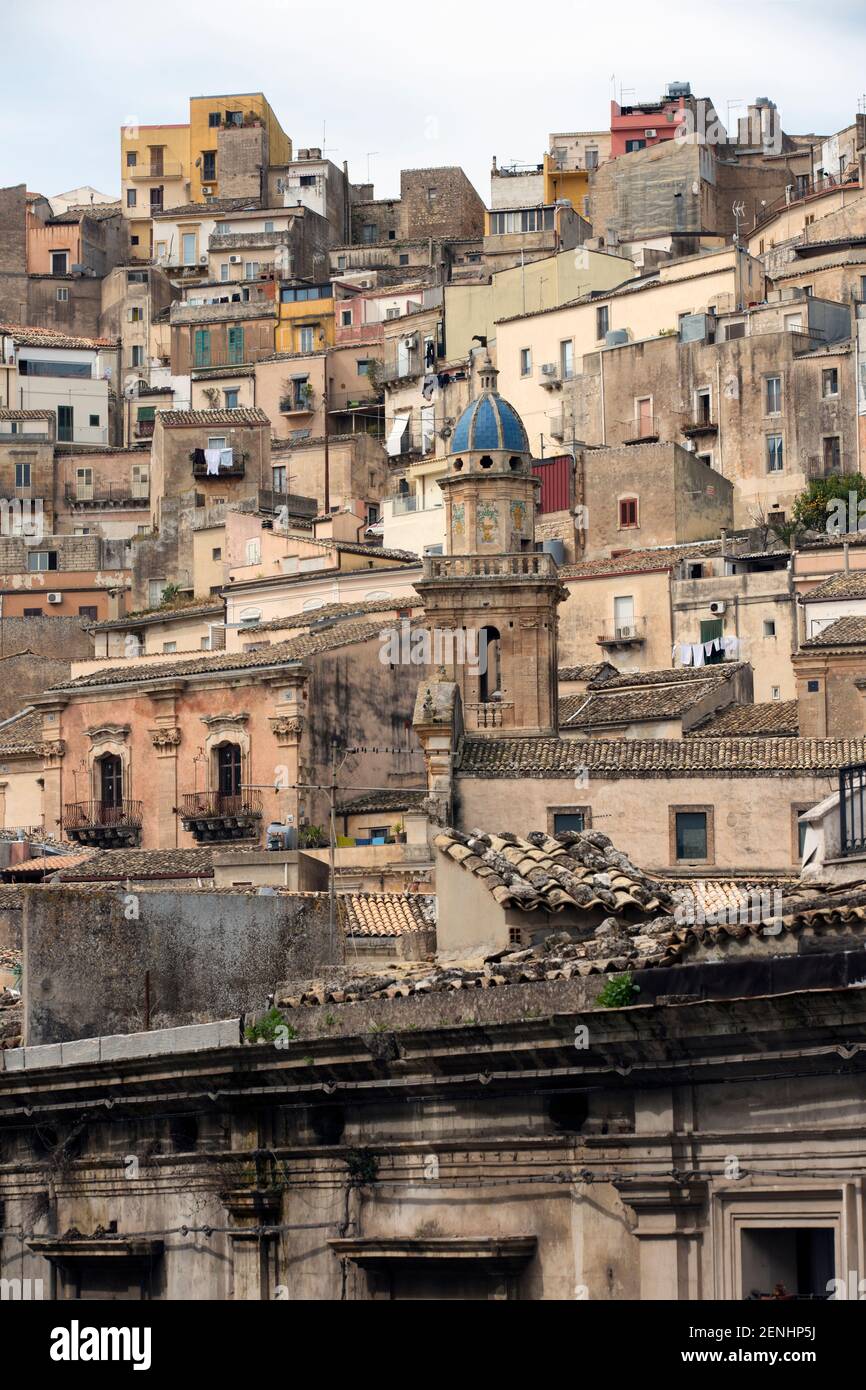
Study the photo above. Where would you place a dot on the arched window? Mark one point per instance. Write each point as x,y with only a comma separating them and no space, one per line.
514,464
457,465
109,771
489,662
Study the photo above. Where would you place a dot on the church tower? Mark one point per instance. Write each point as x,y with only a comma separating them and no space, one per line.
493,591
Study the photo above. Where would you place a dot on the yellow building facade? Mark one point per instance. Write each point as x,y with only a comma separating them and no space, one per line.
305,320
154,174
208,116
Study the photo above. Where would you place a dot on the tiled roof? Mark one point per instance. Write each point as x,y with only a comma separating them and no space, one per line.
97,211
698,898
772,718
46,863
597,670
26,415
159,615
717,672
22,733
341,611
109,865
295,649
405,800
386,914
358,548
206,210
640,561
615,704
844,632
644,757
47,338
539,872
244,415
846,585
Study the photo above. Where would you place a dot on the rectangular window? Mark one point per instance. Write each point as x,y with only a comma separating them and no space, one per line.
832,454
254,551
735,330
703,406
346,318
830,381
712,630
169,647
131,159
140,481
84,484
775,454
137,355
65,423
602,322
769,627
136,314
201,349
773,395
691,835
251,270
526,361
62,294
225,270
370,233
93,422
236,345
208,166
33,612
566,359
216,553
568,820
213,119
188,245
362,366
22,475
59,262
131,197
87,610
39,560
306,341
231,398
627,512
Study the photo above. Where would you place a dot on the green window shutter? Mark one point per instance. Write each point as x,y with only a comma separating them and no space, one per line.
710,629
202,348
236,345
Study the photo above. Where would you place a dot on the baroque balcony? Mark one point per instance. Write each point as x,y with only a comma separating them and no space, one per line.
102,825
115,495
526,564
213,816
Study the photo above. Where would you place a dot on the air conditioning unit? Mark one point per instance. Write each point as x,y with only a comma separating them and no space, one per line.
650,134
717,608
234,260
549,369
202,260
625,634
206,191
55,597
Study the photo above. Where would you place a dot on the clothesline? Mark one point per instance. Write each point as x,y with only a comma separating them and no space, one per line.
698,653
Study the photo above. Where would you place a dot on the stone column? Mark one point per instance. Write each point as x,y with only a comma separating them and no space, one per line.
287,730
669,1231
165,792
53,750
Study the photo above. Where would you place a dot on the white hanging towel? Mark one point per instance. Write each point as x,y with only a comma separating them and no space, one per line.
686,654
226,458
698,654
730,645
710,647
212,459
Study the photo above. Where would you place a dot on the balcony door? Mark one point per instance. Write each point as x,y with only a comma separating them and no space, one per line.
111,783
228,772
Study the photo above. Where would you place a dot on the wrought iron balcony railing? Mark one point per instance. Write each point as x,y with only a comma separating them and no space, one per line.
102,823
222,816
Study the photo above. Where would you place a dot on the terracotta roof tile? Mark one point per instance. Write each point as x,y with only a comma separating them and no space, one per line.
398,800
637,757
340,611
386,914
844,632
598,670
109,865
771,718
571,871
846,585
48,338
244,415
295,649
22,733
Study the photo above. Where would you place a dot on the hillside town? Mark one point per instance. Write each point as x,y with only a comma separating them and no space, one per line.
433,716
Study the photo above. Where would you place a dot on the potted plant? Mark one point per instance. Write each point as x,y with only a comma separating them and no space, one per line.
398,833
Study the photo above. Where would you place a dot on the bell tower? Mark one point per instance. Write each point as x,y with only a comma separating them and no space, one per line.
494,592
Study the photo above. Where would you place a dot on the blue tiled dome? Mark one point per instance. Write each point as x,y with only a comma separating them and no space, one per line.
489,422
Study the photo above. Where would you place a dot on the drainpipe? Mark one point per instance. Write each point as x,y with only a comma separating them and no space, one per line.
601,373
845,557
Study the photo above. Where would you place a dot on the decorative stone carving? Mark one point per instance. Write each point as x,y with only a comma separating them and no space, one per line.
226,719
165,740
53,753
108,733
286,727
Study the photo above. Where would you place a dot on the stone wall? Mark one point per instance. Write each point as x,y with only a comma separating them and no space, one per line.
439,203
91,955
13,254
48,645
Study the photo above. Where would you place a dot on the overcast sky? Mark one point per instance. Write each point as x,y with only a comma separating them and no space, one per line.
405,86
